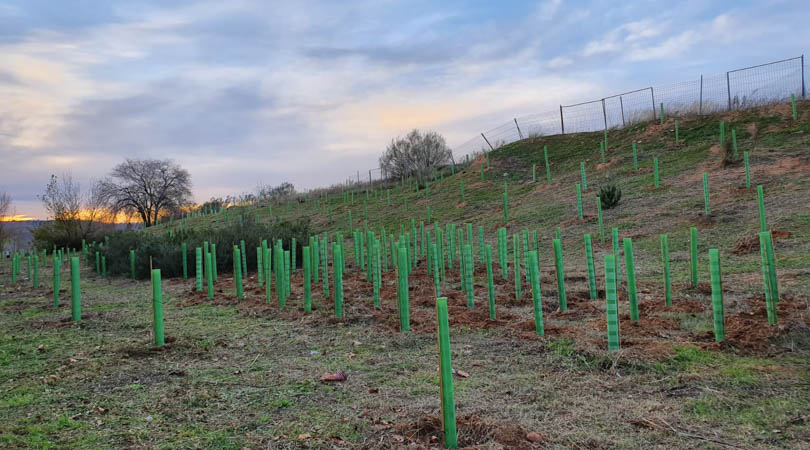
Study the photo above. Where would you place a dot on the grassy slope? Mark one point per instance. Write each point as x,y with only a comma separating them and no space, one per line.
234,378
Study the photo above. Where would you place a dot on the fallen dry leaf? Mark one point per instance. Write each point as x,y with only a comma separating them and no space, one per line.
335,376
462,373
303,436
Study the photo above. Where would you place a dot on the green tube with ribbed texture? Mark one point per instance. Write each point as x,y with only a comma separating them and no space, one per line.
770,304
591,271
75,289
184,251
307,278
199,268
516,261
548,168
747,170
665,262
209,275
761,207
611,300
404,304
579,202
157,308
490,285
560,268
468,277
537,298
630,263
693,255
448,402
584,177
717,295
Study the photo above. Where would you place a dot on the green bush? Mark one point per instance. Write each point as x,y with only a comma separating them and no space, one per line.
610,194
166,250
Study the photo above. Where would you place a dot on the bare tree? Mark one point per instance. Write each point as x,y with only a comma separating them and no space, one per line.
415,154
63,201
148,188
5,212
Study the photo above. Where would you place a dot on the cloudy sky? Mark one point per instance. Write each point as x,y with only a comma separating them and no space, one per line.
243,92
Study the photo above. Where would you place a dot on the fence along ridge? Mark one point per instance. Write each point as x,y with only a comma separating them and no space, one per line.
702,98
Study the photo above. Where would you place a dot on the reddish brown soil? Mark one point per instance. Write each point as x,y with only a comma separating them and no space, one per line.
653,336
472,432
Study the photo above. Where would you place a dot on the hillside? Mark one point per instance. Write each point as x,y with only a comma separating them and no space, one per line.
779,150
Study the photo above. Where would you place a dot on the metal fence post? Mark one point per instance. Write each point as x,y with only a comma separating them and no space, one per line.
487,141
652,94
520,135
621,105
604,113
700,108
562,123
728,88
803,91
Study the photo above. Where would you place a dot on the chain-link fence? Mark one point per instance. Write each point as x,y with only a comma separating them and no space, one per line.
749,87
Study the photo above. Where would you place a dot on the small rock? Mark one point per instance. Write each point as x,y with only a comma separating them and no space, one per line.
536,437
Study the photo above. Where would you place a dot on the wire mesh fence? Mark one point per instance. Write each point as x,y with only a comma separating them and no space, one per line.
748,87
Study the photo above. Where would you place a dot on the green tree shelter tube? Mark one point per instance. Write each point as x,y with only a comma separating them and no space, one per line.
761,206
717,294
184,251
631,278
548,168
665,261
57,265
404,305
490,286
611,309
693,255
537,299
237,271
468,277
579,201
770,303
199,268
446,376
591,271
558,263
209,275
307,281
516,261
75,287
157,308
337,266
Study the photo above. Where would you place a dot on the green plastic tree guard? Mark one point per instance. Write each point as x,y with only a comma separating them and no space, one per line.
665,261
676,132
629,262
615,241
560,269
468,277
103,267
706,208
157,308
481,243
747,171
722,134
591,271
548,168
132,263
734,143
75,289
611,302
761,205
377,273
693,255
717,294
537,299
635,157
209,275
774,283
404,305
579,202
446,376
490,285
337,266
661,115
268,274
57,263
793,104
259,267
307,279
602,150
534,173
243,253
36,271
184,251
770,304
505,207
199,266
237,271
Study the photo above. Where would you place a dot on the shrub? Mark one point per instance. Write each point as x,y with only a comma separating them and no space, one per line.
165,250
610,194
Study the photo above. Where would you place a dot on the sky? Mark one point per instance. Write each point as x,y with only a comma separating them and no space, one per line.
250,92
